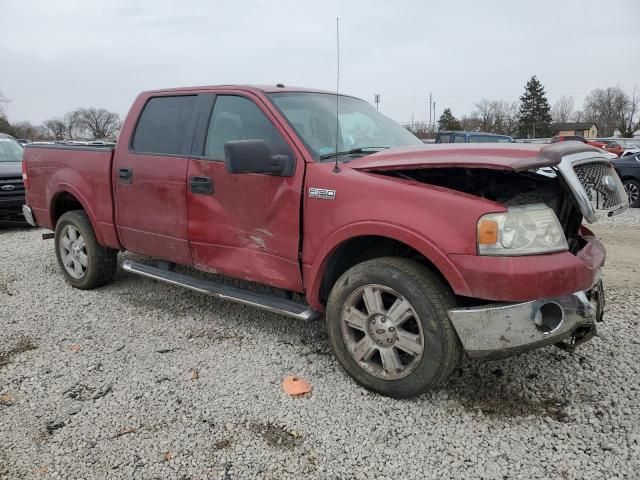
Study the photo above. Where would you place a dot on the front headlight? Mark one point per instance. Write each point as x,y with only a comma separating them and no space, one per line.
523,230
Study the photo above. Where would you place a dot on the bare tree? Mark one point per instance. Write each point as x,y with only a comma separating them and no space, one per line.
484,114
26,130
629,121
4,101
578,116
99,123
494,116
74,127
605,107
506,117
470,123
57,128
420,129
562,110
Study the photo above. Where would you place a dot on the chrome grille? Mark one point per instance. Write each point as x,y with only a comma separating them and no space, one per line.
599,184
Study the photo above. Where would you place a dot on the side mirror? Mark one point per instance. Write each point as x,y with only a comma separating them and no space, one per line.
254,156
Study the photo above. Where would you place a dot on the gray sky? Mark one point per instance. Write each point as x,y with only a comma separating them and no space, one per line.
60,55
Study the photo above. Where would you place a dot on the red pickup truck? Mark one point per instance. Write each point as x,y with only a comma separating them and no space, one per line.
414,253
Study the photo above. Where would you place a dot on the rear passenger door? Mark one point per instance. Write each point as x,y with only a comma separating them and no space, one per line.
150,178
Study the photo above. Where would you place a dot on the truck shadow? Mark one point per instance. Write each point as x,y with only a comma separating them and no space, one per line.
522,386
214,317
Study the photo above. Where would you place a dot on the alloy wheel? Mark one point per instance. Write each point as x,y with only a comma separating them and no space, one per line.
73,252
633,192
382,332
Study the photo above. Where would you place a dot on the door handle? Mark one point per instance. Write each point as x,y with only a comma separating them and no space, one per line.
125,175
201,185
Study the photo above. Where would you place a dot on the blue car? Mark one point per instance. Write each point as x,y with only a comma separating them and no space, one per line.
471,137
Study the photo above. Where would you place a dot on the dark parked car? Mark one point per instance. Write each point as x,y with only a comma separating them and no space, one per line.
628,169
11,184
471,137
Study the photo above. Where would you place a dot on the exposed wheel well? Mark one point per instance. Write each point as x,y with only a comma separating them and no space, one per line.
63,203
359,249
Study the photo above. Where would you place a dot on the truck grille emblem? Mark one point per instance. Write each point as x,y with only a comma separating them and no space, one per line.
322,193
8,188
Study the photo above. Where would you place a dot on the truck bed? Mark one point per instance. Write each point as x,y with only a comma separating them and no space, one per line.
82,171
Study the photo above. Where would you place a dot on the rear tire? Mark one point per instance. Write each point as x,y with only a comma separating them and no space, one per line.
387,322
632,187
85,263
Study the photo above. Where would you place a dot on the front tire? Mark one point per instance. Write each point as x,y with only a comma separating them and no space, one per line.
632,187
387,322
85,263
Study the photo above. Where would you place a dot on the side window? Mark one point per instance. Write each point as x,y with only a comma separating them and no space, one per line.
238,118
458,139
163,125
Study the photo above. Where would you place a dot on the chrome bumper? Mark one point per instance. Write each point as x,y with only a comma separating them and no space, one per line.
28,215
500,330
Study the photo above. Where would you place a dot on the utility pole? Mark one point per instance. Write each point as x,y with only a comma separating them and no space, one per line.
376,100
434,116
430,109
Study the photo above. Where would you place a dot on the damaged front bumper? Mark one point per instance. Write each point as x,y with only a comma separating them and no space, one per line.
499,330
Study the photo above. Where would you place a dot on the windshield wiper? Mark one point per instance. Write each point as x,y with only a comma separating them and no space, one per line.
353,151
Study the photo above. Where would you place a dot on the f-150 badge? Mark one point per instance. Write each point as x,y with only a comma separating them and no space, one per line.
322,193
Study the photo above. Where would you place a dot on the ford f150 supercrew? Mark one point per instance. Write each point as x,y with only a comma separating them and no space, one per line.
414,253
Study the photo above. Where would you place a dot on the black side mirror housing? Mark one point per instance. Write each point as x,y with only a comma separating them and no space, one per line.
254,156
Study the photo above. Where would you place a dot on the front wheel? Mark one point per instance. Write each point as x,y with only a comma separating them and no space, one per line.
85,263
632,187
387,322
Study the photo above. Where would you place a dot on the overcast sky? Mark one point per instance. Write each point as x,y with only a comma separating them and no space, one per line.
59,55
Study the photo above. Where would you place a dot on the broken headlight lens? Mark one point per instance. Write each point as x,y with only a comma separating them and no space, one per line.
522,230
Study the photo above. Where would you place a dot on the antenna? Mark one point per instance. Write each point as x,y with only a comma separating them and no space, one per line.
336,168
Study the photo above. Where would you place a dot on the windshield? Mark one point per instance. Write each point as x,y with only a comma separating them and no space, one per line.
10,150
360,126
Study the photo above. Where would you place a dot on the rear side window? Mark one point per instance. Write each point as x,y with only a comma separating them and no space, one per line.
163,125
238,118
443,138
481,139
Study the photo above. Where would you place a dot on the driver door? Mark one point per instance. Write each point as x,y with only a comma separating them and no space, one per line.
243,225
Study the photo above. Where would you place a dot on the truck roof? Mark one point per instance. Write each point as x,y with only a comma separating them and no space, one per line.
256,88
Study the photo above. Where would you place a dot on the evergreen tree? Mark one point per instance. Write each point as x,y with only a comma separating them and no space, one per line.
448,121
535,113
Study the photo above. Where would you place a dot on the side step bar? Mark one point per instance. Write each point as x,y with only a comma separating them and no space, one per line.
272,303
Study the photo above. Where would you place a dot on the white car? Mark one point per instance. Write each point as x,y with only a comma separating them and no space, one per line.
630,150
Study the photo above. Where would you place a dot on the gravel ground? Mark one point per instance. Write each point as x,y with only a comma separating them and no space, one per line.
143,380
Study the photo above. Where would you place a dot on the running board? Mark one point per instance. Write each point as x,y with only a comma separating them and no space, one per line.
264,301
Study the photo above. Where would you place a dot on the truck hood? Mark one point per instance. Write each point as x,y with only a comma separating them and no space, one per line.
513,157
10,169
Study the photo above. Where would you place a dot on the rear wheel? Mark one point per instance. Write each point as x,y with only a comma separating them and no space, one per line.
388,325
632,187
85,263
